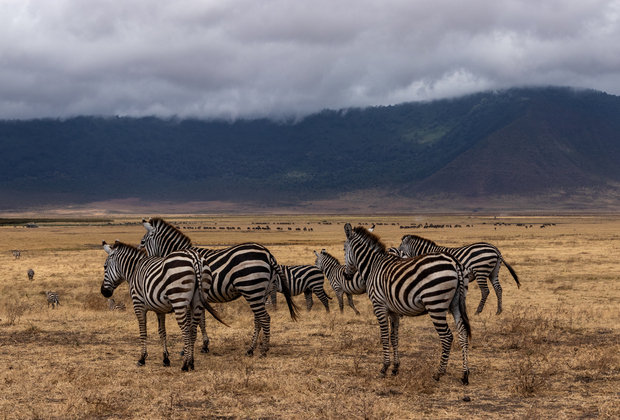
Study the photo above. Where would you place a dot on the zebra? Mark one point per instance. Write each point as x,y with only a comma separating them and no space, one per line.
242,270
177,283
393,250
116,306
483,260
30,273
52,298
431,283
305,279
335,275
17,254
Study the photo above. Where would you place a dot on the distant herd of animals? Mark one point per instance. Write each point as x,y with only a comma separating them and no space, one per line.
166,274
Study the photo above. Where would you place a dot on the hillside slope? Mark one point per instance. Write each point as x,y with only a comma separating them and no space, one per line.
520,142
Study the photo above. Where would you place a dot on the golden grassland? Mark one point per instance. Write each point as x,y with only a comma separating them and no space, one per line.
553,353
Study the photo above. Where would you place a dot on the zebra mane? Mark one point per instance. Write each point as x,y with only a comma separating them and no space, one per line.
414,237
168,228
132,248
331,256
374,241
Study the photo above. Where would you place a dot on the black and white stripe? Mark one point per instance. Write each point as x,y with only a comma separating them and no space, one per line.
242,270
177,283
304,279
432,283
482,259
116,306
52,298
17,254
334,272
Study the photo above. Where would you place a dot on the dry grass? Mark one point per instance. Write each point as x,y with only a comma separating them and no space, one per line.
553,353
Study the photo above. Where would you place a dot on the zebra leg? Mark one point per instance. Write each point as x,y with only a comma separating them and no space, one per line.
340,300
141,315
205,336
309,302
394,321
350,299
496,286
320,293
382,317
184,319
446,338
463,339
262,321
161,321
484,289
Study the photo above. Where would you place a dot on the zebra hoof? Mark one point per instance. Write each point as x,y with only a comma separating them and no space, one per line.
166,363
437,376
182,353
140,363
249,353
465,379
205,349
499,311
395,370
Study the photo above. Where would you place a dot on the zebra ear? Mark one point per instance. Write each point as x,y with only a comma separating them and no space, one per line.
372,228
347,230
106,247
315,253
147,225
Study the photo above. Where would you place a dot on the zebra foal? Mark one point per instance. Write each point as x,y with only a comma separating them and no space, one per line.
304,279
177,283
430,284
116,306
334,272
243,270
482,259
30,273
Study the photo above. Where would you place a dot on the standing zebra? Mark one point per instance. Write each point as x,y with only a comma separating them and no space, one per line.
304,279
242,270
17,254
52,297
431,283
335,275
116,306
177,283
30,273
482,259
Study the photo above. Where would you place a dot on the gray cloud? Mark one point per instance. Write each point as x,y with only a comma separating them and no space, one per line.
251,58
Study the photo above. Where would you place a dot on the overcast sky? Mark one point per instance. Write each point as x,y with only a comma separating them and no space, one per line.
254,58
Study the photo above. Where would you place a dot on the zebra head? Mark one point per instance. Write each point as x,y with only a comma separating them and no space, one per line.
113,275
162,238
412,245
349,256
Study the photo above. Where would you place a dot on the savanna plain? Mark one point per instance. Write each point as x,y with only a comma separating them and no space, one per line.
554,352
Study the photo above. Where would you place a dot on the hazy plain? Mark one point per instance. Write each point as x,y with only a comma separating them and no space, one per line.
553,353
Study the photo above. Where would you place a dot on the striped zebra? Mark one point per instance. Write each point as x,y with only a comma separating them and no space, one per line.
177,283
334,272
482,259
17,254
30,273
242,270
305,279
116,306
431,283
52,298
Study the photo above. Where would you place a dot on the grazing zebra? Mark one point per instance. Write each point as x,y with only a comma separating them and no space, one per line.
431,283
305,279
30,274
242,270
335,275
177,283
17,254
52,297
116,306
482,259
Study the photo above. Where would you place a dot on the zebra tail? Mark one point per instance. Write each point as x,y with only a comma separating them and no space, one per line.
514,274
462,302
292,307
203,274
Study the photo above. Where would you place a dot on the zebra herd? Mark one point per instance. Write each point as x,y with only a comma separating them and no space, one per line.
166,273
